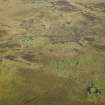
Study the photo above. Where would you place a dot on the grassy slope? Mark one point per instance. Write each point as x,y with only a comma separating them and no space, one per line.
50,52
